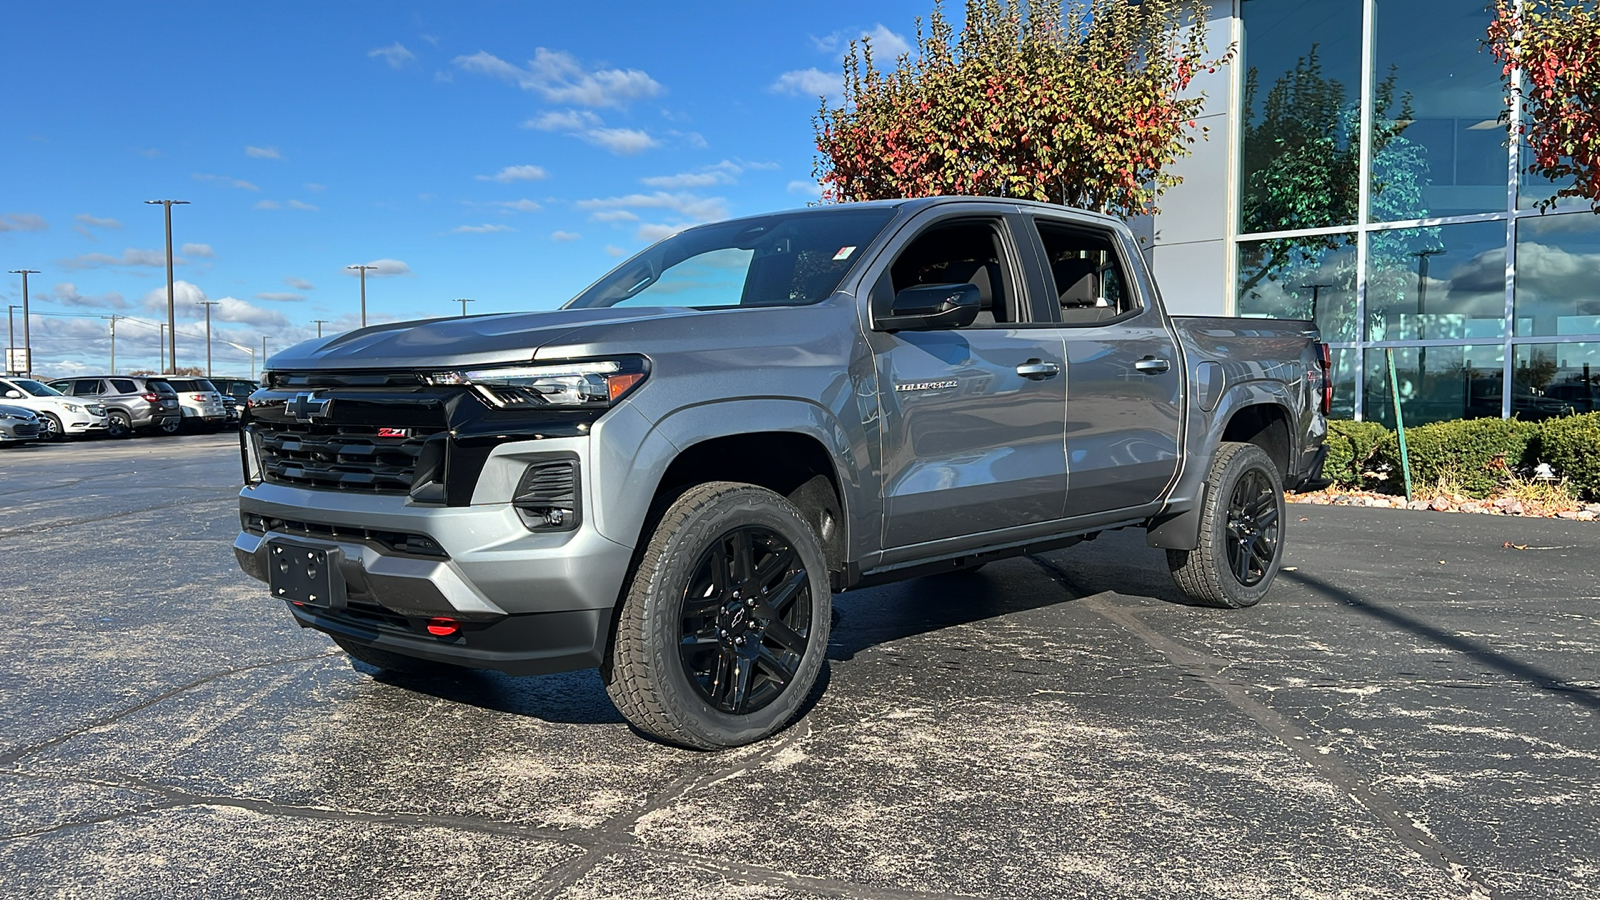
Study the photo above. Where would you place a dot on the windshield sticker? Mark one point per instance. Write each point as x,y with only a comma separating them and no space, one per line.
844,253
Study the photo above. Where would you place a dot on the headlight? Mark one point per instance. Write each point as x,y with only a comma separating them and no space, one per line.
73,407
595,383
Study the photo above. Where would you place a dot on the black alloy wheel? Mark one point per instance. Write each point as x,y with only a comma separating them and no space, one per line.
746,619
1252,528
52,428
118,426
171,426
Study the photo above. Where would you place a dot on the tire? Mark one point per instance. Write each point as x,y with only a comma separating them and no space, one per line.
118,425
53,429
394,662
1241,531
724,626
170,426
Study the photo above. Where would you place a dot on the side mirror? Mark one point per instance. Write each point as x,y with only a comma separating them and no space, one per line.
928,307
13,395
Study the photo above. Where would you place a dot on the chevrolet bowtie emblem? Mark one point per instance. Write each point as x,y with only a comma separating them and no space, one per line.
308,406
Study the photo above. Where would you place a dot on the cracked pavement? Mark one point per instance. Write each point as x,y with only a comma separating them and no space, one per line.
1409,714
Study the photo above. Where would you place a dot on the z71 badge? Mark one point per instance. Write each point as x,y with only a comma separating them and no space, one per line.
911,386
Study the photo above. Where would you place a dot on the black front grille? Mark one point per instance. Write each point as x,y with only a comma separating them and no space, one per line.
25,430
359,458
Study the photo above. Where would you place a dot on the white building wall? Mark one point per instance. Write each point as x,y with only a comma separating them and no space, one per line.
1189,243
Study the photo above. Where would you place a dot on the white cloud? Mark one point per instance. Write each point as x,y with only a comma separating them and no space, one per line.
886,45
396,55
614,215
811,82
97,222
185,295
287,204
202,251
299,284
725,172
565,236
614,250
591,128
565,120
558,77
226,181
22,222
702,209
262,153
296,204
315,188
383,268
480,229
66,294
516,173
653,233
523,205
806,189
269,204
232,309
621,141
280,297
130,257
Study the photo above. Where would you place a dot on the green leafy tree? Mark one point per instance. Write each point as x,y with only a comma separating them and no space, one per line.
1085,108
1555,45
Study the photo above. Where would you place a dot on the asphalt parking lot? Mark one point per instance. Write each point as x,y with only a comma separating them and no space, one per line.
1410,714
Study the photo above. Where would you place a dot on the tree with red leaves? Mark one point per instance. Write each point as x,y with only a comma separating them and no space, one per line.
1084,109
1555,46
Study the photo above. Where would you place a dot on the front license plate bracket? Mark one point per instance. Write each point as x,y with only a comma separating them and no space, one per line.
305,573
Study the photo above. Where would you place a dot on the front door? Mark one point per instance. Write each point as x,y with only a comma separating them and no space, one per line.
972,430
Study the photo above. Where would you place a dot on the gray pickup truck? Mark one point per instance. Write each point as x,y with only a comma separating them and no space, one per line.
670,476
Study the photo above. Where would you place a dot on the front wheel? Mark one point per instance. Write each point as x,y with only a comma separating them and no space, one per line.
53,431
118,426
725,624
1241,531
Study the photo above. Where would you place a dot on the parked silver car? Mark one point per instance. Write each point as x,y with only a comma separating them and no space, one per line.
18,425
133,402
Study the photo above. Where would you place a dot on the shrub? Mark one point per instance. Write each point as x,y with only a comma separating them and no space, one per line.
1477,454
1571,445
1352,447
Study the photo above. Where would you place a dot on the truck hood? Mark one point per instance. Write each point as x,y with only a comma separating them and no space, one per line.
463,341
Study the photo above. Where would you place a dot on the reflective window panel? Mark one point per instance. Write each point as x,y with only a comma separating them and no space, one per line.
1438,147
1301,113
1559,378
1344,383
1558,274
1437,383
1302,278
1437,283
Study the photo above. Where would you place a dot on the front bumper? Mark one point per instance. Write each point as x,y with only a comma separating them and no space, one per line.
528,601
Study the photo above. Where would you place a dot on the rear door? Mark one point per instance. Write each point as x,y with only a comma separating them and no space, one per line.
971,425
1124,374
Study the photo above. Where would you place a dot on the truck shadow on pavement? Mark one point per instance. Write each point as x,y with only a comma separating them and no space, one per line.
1477,652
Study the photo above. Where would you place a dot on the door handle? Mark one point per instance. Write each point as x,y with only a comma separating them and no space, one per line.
1036,370
1152,366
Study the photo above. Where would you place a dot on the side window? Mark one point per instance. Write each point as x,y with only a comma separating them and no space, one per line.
86,387
123,386
961,253
1089,281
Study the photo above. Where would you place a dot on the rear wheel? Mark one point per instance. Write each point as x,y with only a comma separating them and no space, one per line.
725,625
170,426
1241,531
52,428
118,425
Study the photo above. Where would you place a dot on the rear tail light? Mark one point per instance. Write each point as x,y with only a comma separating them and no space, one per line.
201,397
150,397
1327,379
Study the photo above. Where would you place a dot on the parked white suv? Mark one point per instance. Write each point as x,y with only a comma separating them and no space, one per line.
62,416
201,403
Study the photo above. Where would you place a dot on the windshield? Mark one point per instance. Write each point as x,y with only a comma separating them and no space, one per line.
38,389
784,260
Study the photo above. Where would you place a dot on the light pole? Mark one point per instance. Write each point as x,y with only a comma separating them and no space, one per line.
161,345
1423,256
263,354
27,341
113,319
464,301
208,304
363,270
11,336
320,323
172,320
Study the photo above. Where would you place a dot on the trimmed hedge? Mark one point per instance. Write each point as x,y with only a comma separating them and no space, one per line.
1571,445
1352,447
1479,455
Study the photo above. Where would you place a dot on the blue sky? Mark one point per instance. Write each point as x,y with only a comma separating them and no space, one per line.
505,152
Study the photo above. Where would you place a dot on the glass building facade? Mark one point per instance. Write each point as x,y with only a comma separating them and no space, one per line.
1375,191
